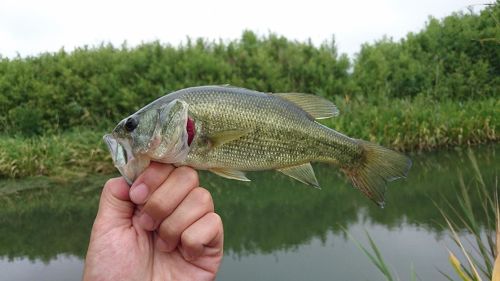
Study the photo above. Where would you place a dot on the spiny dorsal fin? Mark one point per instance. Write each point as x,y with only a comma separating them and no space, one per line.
223,137
303,173
316,106
229,173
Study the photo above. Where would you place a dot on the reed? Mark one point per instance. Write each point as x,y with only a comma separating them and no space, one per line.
480,256
476,260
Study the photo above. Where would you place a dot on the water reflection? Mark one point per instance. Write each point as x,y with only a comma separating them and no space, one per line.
272,224
60,268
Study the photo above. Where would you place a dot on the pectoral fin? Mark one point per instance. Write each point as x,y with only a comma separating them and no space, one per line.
303,173
229,173
223,137
316,106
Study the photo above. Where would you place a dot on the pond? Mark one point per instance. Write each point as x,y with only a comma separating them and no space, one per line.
275,228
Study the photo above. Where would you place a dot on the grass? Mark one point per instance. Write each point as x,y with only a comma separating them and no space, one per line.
377,259
480,259
62,155
420,123
482,255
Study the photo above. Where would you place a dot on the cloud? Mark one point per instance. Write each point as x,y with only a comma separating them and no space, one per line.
31,27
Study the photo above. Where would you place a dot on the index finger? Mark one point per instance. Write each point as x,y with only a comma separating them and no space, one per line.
149,181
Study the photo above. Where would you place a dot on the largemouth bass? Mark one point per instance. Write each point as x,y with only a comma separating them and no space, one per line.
229,131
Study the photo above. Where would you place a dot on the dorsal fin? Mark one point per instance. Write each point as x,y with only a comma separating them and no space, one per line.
318,107
303,173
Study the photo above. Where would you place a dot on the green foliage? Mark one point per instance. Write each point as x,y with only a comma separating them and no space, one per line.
96,87
457,57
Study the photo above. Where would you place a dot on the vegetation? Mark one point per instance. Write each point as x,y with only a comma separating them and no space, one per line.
483,260
435,88
59,155
481,253
455,58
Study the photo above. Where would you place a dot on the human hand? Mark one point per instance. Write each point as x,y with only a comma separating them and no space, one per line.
162,228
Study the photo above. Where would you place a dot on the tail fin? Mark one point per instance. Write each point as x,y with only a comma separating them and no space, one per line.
379,165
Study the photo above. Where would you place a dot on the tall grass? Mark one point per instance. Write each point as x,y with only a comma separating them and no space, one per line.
62,155
377,259
481,255
479,258
418,124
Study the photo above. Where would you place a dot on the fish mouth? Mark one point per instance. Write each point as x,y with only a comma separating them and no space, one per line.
121,153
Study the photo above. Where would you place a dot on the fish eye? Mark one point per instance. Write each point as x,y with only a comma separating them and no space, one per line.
130,124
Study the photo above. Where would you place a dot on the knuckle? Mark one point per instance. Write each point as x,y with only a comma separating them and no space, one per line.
111,184
156,208
169,230
189,239
112,181
203,196
188,175
215,220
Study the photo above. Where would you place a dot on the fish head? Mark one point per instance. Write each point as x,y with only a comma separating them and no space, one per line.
136,132
152,133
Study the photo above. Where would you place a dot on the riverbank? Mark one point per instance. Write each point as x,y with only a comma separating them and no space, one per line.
402,124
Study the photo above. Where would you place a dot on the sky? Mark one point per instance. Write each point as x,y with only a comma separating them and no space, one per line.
28,28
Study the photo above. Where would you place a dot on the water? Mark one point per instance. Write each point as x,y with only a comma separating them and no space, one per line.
275,227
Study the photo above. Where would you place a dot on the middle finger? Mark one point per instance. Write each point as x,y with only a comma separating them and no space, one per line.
169,195
196,205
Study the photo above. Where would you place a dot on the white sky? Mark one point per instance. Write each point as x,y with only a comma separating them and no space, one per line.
31,27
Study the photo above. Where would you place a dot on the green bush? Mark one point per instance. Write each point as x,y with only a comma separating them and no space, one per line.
457,57
102,85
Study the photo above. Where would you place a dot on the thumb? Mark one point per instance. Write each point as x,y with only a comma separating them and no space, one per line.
115,207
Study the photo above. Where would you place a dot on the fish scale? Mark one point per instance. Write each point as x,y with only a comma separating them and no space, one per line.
281,134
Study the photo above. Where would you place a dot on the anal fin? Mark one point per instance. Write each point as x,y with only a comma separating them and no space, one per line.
229,173
303,173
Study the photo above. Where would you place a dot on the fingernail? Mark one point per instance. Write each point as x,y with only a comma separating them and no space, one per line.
139,193
162,245
146,222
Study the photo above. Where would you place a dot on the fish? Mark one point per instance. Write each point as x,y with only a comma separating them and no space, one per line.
229,131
